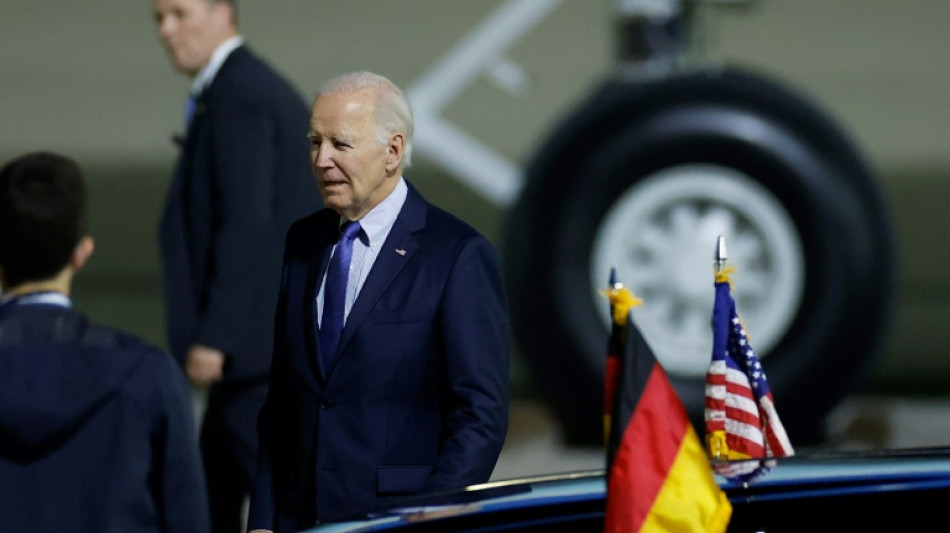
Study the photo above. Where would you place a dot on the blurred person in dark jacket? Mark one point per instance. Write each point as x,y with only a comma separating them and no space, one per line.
242,177
96,428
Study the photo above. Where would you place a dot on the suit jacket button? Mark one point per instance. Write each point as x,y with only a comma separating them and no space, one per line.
326,404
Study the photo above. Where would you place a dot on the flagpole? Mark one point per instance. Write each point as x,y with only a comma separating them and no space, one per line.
715,445
615,346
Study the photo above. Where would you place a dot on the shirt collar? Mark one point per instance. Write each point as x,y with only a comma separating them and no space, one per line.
377,222
208,72
45,298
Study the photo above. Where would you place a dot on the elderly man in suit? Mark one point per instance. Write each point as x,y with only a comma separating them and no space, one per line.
390,370
242,178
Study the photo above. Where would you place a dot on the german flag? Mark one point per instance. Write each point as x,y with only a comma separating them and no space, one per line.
658,475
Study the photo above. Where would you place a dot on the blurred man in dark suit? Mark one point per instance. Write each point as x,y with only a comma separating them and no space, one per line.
96,428
390,372
242,178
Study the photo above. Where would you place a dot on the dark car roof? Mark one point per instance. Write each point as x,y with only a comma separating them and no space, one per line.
786,490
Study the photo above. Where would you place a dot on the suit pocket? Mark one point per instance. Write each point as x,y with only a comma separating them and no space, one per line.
401,479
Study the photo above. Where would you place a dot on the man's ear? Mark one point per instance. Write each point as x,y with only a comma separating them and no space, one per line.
227,13
394,151
82,252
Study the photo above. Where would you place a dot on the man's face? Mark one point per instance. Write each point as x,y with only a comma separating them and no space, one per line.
190,30
354,171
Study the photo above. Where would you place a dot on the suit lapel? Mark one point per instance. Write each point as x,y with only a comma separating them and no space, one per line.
206,96
316,266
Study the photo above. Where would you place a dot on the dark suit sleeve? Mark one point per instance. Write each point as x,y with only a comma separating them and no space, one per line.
178,480
244,224
262,505
261,511
475,329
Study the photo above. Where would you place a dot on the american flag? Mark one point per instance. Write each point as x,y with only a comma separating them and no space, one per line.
741,420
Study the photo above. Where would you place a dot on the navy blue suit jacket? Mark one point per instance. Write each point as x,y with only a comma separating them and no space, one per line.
242,178
417,398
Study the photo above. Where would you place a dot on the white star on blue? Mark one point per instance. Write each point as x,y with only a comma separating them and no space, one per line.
745,356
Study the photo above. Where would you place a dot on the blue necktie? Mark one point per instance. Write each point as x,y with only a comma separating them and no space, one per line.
334,293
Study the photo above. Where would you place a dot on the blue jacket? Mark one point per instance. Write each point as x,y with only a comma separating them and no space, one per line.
96,430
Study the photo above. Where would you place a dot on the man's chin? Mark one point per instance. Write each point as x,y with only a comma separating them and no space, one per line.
334,202
183,67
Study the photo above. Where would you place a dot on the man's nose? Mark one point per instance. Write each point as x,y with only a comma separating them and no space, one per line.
323,156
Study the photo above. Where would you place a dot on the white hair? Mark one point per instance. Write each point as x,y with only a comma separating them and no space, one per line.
393,112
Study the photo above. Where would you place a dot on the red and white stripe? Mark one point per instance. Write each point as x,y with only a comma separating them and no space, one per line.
777,443
731,406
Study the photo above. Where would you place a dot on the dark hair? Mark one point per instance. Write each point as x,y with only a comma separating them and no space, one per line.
42,216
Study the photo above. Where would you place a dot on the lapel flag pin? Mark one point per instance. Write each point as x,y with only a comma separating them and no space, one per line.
400,251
